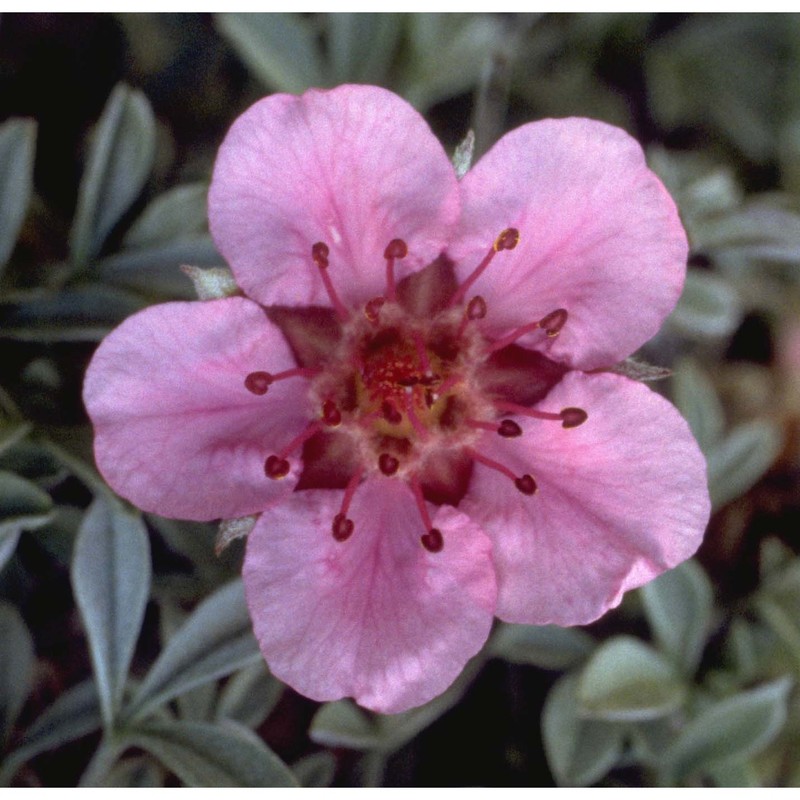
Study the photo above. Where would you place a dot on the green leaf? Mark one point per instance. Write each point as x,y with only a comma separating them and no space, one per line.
216,640
696,398
202,754
111,584
362,46
625,680
678,605
140,772
119,161
736,727
741,459
579,751
316,771
11,431
179,213
16,667
8,546
17,148
75,713
546,646
280,49
23,505
343,724
709,307
249,696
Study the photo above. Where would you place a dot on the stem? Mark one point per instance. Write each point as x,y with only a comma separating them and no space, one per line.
104,758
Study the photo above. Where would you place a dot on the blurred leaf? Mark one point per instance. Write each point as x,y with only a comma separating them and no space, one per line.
546,646
11,431
316,771
734,774
23,505
734,728
709,307
638,370
75,713
678,605
743,651
119,161
16,667
111,584
280,49
783,624
213,284
179,213
741,459
206,755
579,751
625,680
696,398
8,545
249,696
216,640
650,738
462,157
139,772
361,46
17,148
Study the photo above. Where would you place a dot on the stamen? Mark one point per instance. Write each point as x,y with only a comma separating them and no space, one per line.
507,240
372,309
524,483
432,540
420,429
319,254
397,248
390,413
507,428
550,324
277,466
422,354
388,464
476,309
568,417
331,414
342,527
259,382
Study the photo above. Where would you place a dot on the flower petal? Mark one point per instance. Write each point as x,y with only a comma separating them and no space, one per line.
353,167
376,617
176,432
621,498
599,236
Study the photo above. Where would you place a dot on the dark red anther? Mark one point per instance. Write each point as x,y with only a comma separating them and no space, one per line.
331,414
276,467
388,464
320,252
509,429
526,484
342,528
507,240
258,382
476,308
372,309
390,413
572,417
432,541
554,321
397,248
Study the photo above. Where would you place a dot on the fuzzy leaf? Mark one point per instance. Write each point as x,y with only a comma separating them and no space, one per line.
212,284
17,148
696,398
315,771
16,667
23,505
546,646
709,308
362,46
216,640
135,773
119,161
111,583
249,696
462,157
179,213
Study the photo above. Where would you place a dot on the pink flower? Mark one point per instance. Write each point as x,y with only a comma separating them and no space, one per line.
411,398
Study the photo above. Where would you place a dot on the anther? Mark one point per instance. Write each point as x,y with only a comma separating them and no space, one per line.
476,308
331,414
388,464
319,254
507,240
526,484
390,413
509,429
276,467
397,248
258,382
553,322
432,541
342,528
372,310
572,417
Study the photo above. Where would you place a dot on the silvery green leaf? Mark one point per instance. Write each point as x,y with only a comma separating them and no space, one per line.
546,646
75,713
782,623
111,584
734,774
742,649
118,164
16,667
462,157
362,46
678,605
212,284
696,398
139,772
741,459
625,680
280,49
216,640
343,724
734,728
23,505
709,307
8,545
11,431
202,754
579,751
638,370
178,213
315,771
249,696
17,147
